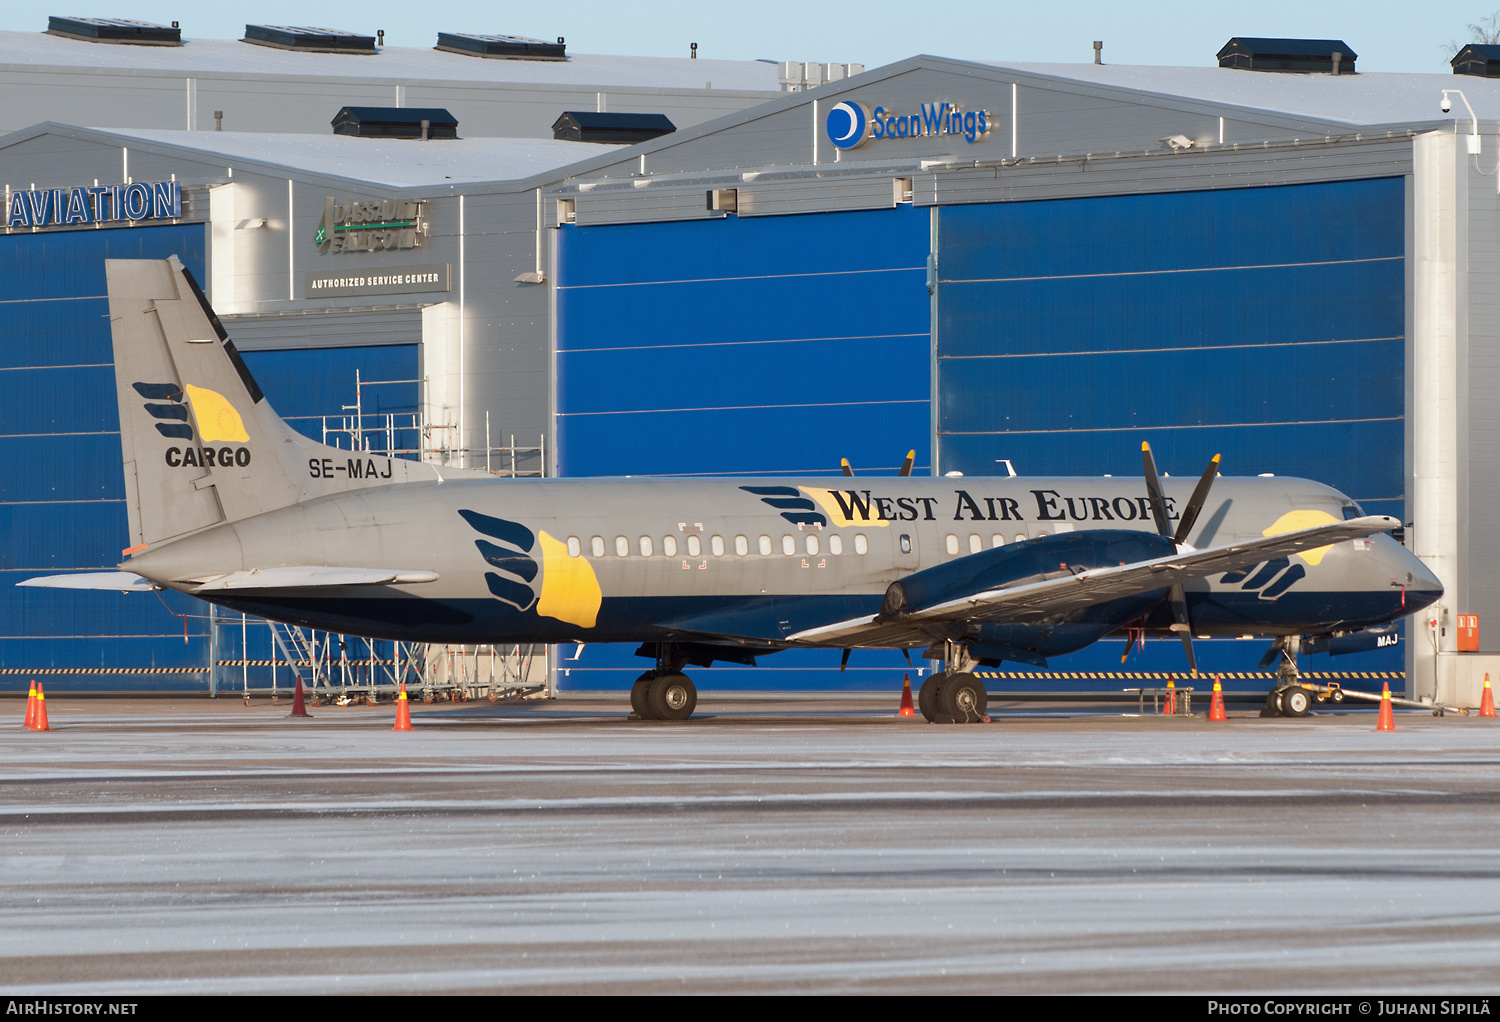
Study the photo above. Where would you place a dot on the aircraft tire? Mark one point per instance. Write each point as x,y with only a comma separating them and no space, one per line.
640,696
928,697
672,697
963,698
1273,704
1295,702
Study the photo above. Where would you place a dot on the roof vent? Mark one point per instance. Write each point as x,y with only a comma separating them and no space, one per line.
626,129
115,30
309,40
395,122
1330,56
1482,59
501,47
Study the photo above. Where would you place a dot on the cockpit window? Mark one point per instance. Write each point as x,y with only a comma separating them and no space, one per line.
1352,510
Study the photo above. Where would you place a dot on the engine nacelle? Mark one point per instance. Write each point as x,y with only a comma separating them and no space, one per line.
1034,560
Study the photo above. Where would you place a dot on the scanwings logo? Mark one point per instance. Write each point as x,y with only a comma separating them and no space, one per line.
217,420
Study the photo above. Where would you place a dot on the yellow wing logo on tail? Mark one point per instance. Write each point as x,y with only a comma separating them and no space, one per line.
217,419
570,589
1294,520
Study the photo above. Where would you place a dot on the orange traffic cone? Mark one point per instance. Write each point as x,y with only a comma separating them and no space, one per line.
403,711
907,710
1216,707
39,716
31,705
1171,704
1487,701
299,708
1387,716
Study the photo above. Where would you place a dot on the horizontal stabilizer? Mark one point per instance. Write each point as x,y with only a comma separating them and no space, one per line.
115,581
297,576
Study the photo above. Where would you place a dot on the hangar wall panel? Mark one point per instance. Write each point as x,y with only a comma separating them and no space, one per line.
1265,323
62,505
61,489
679,353
743,347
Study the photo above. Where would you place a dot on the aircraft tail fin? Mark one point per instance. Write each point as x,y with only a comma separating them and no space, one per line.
201,444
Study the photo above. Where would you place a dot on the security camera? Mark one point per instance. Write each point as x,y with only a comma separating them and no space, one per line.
1446,105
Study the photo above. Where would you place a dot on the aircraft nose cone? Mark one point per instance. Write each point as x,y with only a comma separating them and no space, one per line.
1422,586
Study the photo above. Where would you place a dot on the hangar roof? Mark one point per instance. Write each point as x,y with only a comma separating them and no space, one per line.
1370,97
230,57
394,163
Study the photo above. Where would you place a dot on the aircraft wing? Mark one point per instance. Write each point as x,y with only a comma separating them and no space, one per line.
298,576
1035,601
283,577
115,581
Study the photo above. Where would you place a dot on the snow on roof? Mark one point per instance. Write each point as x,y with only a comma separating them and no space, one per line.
1366,98
398,163
230,57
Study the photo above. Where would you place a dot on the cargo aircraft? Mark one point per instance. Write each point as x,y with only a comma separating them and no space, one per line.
229,504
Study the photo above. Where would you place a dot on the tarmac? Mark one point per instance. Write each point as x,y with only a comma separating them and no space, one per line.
157,846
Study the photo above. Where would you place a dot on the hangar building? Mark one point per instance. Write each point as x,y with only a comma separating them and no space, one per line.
1005,267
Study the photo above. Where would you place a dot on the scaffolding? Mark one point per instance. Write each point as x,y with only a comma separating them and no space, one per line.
346,669
413,435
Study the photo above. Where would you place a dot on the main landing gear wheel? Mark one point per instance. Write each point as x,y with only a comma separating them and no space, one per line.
929,696
1295,702
639,696
1273,704
963,698
672,697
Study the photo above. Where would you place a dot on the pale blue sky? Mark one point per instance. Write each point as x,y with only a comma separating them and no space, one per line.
1387,35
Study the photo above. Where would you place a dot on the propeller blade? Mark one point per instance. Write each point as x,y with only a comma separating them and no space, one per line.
911,457
1182,625
1153,490
848,469
906,653
1196,501
844,660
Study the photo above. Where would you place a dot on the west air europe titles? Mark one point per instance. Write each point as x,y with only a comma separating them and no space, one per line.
1050,506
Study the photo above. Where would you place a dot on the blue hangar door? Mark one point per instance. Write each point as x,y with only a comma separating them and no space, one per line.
62,500
62,490
768,345
1263,323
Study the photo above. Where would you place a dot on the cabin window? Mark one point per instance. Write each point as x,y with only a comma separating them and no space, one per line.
951,543
812,544
716,544
694,546
905,543
741,545
975,543
669,545
764,546
997,540
596,546
646,546
861,545
835,544
574,547
622,546
1020,537
788,546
